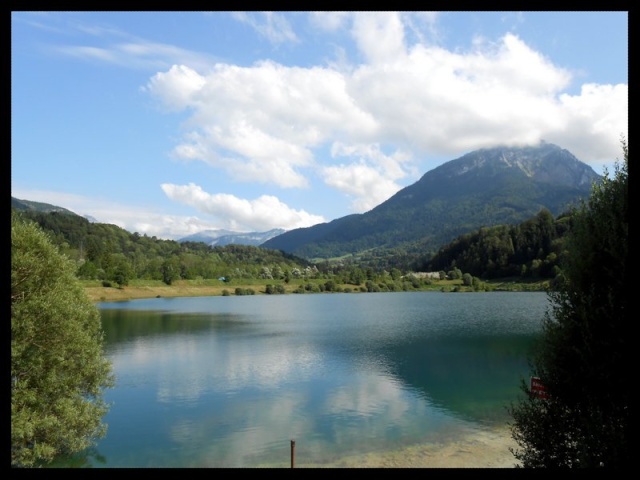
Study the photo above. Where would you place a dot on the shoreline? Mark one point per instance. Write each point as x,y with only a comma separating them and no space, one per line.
479,450
186,289
114,294
485,449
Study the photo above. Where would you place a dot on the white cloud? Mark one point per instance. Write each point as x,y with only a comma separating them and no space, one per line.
371,180
177,87
329,21
138,54
422,25
592,128
261,123
259,156
271,25
365,183
379,36
447,102
268,122
264,213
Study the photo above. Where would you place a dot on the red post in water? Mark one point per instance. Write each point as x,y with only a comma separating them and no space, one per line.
538,389
293,453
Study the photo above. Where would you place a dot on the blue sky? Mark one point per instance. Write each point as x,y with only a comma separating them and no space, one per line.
171,123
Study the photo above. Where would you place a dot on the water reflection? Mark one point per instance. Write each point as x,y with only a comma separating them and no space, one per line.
227,382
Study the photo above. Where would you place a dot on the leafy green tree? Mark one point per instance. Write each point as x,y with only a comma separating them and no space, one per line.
58,370
455,274
87,270
396,274
170,269
330,286
584,352
121,271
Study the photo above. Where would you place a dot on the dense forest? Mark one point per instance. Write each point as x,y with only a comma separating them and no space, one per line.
109,253
530,249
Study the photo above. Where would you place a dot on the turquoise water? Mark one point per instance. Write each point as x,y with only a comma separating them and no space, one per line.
230,381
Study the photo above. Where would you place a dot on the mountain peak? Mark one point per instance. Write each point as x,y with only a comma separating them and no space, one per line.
220,237
545,163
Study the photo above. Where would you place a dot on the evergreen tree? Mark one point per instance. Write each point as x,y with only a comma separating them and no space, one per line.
58,370
585,347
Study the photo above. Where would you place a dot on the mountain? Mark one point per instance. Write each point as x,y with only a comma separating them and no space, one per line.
32,206
38,206
206,236
220,237
493,186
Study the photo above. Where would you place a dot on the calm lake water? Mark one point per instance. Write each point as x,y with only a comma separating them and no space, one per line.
230,381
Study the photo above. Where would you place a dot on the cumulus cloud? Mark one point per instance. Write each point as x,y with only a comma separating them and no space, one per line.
177,87
268,122
379,36
261,123
366,184
590,121
462,101
371,180
264,213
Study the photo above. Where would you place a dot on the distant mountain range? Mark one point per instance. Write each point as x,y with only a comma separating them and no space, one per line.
502,185
220,237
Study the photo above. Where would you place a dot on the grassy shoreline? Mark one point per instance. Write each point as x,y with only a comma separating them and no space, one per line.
206,288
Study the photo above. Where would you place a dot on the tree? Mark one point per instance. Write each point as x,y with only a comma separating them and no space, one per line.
584,351
58,370
121,271
170,269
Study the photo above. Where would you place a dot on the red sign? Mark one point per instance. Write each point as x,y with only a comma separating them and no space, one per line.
538,389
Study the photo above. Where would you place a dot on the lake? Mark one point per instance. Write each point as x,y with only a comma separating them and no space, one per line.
231,381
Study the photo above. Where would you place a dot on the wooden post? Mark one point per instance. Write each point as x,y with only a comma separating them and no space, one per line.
293,453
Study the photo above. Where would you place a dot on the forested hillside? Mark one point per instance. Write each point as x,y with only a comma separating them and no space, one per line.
533,248
530,250
108,252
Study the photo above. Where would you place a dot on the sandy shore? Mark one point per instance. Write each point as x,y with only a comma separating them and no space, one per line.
477,450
